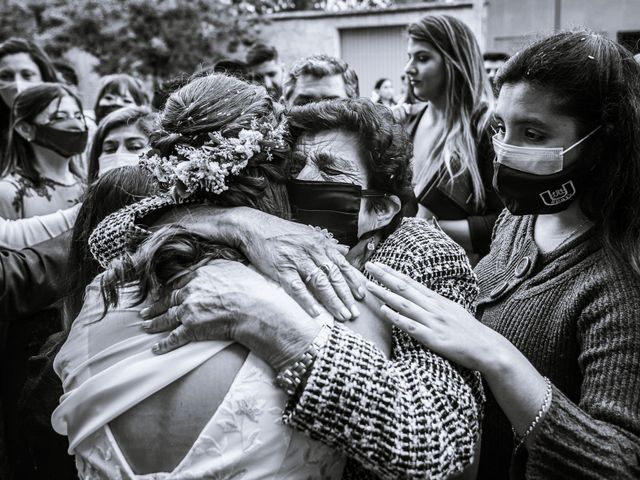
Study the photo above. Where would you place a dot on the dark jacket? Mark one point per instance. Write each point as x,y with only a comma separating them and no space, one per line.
453,200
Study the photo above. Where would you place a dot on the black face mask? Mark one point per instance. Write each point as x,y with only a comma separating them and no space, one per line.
530,194
103,111
330,205
65,143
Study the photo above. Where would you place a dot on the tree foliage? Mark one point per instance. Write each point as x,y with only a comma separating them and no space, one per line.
146,37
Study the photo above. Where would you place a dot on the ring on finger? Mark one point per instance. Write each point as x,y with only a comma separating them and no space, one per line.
175,301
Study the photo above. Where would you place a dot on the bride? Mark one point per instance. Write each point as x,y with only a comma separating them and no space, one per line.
131,414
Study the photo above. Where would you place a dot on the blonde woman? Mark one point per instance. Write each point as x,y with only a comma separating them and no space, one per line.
452,150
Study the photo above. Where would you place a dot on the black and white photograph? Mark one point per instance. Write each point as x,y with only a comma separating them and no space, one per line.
320,239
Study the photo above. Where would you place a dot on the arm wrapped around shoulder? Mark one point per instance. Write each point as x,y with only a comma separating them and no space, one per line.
416,415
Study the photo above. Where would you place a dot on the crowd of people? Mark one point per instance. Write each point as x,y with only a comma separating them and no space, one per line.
257,273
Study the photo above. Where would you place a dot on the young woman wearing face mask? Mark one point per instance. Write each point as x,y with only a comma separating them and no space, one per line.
558,340
118,91
119,140
47,131
452,153
22,65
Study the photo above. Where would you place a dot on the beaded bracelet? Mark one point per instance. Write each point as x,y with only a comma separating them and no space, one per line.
543,408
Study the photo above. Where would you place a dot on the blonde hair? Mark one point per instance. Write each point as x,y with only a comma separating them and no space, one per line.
469,100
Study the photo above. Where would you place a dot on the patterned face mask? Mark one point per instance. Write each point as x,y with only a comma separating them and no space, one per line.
534,180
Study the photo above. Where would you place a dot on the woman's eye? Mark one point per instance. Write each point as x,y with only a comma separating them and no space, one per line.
109,148
128,101
28,75
423,58
6,77
533,136
133,146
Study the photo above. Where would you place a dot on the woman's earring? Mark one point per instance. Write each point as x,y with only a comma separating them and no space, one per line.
371,245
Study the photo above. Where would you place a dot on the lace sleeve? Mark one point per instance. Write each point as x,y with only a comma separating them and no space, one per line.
416,415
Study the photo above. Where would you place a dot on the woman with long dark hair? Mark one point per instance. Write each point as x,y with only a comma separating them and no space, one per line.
39,175
23,64
452,156
558,340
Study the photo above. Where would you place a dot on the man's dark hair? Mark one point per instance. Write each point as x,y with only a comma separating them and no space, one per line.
261,53
322,66
496,56
383,141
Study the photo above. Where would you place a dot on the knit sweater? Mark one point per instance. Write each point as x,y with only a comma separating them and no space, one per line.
415,415
575,314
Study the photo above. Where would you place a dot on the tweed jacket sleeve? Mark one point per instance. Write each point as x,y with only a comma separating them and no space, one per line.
415,415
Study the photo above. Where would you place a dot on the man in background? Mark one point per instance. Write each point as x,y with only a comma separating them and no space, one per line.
262,62
320,77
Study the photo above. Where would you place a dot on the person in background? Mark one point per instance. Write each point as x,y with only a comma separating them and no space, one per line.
558,341
22,65
383,92
47,130
492,63
262,61
320,77
117,91
119,140
452,154
67,75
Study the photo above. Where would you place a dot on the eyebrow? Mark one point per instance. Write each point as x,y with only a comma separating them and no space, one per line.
524,121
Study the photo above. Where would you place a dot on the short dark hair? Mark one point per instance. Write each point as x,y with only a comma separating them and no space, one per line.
261,53
323,66
496,56
597,83
379,83
67,72
384,142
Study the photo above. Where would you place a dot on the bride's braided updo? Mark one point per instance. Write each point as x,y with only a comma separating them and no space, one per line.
224,104
215,103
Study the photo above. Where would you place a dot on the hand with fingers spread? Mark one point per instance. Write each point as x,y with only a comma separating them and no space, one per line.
440,324
212,304
306,262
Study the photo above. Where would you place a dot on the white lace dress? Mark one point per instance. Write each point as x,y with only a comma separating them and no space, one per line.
244,439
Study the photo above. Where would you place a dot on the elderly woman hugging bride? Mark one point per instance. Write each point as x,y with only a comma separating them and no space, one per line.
214,408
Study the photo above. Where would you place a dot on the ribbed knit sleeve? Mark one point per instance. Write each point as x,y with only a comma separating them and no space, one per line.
598,438
416,415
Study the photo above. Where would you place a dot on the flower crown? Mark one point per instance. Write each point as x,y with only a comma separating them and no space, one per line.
207,167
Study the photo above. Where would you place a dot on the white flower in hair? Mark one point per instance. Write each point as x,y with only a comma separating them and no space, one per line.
209,166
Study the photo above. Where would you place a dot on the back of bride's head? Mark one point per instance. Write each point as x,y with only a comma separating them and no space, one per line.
223,140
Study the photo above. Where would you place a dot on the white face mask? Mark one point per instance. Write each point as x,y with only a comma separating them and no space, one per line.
535,160
115,160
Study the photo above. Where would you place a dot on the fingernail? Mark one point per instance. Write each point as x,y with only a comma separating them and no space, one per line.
146,325
315,310
155,348
371,286
354,311
144,313
346,314
361,293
